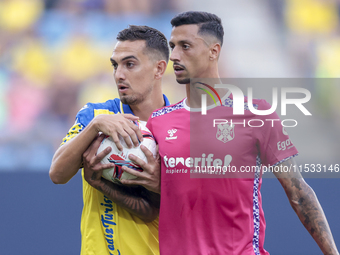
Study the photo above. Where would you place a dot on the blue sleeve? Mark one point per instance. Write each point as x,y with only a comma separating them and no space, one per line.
85,115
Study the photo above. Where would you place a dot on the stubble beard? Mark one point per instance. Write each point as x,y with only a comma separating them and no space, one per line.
183,80
129,100
136,98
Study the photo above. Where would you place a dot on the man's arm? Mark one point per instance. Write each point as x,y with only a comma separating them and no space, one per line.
307,207
135,199
68,158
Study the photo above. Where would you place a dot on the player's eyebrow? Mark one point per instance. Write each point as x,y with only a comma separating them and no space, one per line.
181,42
125,58
131,56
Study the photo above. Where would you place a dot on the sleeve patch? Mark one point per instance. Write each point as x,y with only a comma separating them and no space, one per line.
74,130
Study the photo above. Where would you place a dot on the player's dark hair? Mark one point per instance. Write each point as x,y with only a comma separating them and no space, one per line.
208,23
155,40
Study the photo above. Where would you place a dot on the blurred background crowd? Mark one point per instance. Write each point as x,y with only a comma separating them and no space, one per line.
54,58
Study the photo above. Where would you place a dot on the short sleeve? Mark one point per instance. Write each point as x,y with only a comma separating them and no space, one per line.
83,118
273,140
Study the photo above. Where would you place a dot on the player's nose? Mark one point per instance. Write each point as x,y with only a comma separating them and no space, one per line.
175,57
119,74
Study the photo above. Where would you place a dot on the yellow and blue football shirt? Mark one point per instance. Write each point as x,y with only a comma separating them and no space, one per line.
105,227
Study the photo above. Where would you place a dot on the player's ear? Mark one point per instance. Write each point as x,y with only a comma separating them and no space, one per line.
160,69
215,50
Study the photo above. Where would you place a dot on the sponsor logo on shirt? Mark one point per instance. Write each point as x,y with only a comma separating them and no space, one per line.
106,219
203,164
284,145
205,160
171,133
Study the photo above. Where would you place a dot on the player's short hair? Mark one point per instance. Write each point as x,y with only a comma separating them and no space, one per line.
155,40
208,23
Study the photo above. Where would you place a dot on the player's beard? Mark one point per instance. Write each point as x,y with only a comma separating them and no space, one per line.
136,98
183,80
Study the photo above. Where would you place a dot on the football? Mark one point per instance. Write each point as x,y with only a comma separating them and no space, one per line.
121,158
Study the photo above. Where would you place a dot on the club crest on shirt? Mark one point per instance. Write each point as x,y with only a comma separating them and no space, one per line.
225,132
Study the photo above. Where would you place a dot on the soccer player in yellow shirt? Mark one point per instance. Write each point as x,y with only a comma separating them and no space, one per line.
118,219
